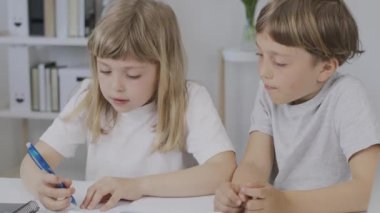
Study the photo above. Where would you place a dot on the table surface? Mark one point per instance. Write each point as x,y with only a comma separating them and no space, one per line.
13,191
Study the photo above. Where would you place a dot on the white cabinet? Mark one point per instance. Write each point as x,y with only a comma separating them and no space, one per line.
240,82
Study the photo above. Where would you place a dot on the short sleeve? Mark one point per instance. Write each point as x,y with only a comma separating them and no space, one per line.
65,136
355,120
261,114
206,133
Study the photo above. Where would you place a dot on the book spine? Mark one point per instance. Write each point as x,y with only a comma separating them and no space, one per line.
49,16
73,18
42,88
18,17
62,18
54,80
19,78
35,96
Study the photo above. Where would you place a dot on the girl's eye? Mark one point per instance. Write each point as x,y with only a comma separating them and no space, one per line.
134,76
106,72
259,54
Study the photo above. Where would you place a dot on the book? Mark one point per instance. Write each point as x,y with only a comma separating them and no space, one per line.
36,17
73,18
62,18
19,82
49,18
35,95
44,85
18,17
54,83
69,80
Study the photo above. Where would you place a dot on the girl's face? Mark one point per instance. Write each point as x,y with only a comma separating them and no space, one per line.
127,84
290,74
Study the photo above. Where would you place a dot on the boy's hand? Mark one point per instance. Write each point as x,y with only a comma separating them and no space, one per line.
264,198
54,198
110,190
227,199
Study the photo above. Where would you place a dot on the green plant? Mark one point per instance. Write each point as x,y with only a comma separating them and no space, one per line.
250,7
249,33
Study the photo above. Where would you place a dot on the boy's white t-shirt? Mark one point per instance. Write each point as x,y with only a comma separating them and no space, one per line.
126,151
314,140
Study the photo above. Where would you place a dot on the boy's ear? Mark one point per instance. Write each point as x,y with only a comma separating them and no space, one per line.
328,68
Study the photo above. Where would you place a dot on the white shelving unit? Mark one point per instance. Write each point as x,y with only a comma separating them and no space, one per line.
25,52
238,89
43,41
68,51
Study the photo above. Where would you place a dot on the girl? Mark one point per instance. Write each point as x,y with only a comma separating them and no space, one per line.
316,124
138,115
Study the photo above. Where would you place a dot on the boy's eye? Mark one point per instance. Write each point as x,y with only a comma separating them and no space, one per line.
279,64
259,54
134,76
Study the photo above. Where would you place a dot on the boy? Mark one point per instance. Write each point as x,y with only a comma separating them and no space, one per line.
315,123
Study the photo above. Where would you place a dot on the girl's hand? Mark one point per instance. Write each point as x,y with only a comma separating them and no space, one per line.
110,190
54,198
227,199
264,198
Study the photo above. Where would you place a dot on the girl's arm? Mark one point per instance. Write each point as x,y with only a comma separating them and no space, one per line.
42,184
29,172
258,160
195,181
199,180
350,196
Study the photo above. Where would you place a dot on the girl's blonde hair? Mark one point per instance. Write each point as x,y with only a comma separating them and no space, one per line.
324,28
148,31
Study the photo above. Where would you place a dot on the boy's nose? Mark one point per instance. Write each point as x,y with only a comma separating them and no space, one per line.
265,72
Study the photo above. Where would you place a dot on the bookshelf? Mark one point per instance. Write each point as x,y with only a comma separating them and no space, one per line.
43,41
65,51
27,48
40,32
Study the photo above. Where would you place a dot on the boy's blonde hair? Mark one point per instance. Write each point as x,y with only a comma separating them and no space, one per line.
146,30
324,28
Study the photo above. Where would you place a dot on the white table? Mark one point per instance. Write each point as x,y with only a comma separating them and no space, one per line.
13,191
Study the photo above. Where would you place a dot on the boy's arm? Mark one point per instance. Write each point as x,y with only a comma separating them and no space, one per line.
29,171
350,196
258,160
195,181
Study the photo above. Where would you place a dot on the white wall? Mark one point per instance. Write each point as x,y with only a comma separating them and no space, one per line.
208,27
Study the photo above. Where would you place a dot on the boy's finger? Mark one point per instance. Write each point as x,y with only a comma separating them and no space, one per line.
254,193
254,205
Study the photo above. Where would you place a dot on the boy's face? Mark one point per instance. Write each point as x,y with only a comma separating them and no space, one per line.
290,74
126,84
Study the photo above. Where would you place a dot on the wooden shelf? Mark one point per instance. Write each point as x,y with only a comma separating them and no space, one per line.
28,115
43,41
236,55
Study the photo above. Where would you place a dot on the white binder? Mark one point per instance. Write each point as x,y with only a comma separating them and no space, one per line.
18,24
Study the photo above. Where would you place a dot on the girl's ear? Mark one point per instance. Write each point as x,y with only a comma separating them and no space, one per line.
327,69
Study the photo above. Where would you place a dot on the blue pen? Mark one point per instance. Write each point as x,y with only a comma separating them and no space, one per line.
43,165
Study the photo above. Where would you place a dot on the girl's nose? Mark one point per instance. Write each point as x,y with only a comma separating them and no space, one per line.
118,84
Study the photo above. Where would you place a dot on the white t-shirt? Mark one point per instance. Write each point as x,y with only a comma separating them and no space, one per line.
314,140
126,151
